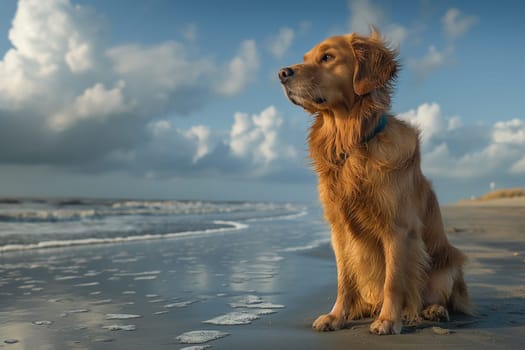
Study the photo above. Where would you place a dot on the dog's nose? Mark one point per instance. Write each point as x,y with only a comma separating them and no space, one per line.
285,73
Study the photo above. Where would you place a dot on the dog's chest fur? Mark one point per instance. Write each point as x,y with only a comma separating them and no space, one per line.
348,196
357,182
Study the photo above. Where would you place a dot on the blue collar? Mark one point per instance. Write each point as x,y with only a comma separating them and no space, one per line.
379,127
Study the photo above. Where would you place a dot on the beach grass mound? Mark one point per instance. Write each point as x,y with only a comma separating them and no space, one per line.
503,193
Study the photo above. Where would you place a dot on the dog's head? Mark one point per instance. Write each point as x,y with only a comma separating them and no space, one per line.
339,71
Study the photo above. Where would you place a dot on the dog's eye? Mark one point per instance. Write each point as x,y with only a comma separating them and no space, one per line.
326,58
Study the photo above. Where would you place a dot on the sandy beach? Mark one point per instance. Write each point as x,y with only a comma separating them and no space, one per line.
255,288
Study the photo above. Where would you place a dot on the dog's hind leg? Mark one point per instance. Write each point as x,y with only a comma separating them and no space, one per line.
435,312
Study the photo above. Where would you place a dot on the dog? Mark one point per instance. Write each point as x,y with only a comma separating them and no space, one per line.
394,261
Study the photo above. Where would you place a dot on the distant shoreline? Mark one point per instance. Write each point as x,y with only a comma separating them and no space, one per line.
498,202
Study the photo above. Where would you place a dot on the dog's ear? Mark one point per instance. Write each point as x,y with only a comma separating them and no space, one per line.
375,64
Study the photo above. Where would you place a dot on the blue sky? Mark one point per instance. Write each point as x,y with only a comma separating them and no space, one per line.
179,99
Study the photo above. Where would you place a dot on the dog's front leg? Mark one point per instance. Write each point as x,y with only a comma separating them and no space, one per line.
337,317
346,292
389,320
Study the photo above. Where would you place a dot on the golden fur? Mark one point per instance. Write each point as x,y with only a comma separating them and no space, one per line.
393,258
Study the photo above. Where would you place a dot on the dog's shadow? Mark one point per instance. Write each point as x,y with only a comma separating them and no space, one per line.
489,313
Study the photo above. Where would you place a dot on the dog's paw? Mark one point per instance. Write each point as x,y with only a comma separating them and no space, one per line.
328,322
436,313
382,327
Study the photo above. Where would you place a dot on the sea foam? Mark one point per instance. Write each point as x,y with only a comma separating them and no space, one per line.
121,316
233,318
201,336
120,327
233,226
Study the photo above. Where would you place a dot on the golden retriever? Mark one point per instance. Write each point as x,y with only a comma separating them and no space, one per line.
394,261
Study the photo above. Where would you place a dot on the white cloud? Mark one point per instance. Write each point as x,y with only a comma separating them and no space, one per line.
259,138
241,70
427,118
78,57
451,149
50,39
16,86
486,163
70,99
159,127
180,82
396,34
454,123
432,61
364,13
280,43
167,151
96,102
37,21
456,25
255,146
511,132
201,134
56,43
518,167
141,64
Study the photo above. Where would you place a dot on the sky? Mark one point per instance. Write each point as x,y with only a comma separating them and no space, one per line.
180,99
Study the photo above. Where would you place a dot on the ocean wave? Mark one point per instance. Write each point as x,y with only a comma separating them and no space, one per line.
199,207
310,246
77,210
233,226
74,202
9,201
48,215
279,217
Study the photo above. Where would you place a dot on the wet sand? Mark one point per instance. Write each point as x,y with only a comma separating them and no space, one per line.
272,279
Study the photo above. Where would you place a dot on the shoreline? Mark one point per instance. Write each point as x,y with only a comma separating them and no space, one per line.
61,298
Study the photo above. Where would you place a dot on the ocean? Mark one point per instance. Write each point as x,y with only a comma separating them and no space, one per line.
123,274
137,274
44,223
